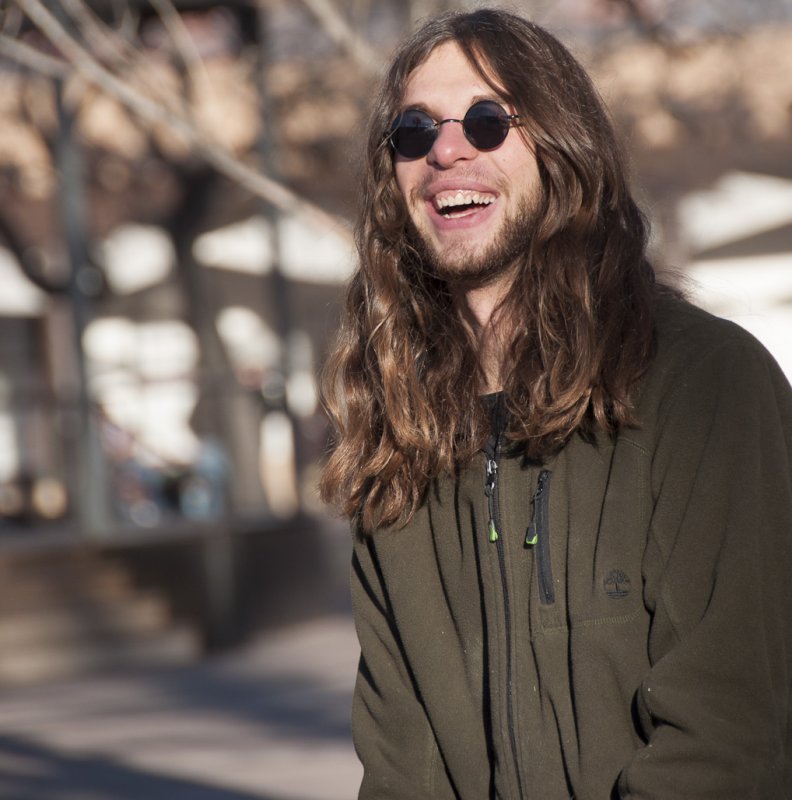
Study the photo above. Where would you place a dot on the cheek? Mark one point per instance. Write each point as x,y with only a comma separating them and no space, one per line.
406,178
518,165
523,175
533,180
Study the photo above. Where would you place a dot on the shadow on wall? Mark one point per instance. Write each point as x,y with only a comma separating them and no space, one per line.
31,771
234,584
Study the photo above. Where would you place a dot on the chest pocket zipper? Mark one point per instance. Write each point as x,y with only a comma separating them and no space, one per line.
538,536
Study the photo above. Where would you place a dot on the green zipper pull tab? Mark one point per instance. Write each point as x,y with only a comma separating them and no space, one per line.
531,535
493,531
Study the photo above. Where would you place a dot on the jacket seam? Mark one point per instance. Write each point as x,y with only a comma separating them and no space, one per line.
644,451
593,622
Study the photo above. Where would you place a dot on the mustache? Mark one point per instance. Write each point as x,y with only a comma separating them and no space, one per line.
419,191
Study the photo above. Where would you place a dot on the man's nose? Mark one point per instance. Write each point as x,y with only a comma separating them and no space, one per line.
451,145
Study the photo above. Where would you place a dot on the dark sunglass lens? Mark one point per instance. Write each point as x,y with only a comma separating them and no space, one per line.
413,134
486,125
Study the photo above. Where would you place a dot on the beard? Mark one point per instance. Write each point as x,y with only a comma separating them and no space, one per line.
467,267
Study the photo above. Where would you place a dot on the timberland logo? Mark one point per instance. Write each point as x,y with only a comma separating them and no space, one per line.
617,584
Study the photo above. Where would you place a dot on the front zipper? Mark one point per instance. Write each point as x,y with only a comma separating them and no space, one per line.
539,535
492,451
490,489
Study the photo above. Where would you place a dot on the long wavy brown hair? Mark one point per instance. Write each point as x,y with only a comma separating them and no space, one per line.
403,383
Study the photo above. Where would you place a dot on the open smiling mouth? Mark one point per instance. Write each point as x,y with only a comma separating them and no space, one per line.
452,205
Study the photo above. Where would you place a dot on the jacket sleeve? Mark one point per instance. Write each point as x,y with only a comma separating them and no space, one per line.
390,728
714,708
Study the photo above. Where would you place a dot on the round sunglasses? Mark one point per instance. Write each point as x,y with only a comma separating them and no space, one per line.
485,125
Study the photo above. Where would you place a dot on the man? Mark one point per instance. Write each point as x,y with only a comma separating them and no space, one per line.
571,491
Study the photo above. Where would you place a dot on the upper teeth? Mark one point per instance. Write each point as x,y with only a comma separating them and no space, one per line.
461,198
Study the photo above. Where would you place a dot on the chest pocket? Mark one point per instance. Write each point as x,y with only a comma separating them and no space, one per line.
591,516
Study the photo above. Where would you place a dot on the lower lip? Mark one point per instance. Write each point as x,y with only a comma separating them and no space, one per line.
468,220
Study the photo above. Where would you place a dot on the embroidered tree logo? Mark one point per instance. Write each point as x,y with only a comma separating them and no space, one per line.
617,584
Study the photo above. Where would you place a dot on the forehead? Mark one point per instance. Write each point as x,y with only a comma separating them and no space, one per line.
445,78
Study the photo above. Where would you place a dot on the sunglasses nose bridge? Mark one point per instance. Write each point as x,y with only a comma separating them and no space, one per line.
450,119
451,143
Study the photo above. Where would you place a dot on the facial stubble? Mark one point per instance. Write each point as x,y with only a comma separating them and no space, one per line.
462,267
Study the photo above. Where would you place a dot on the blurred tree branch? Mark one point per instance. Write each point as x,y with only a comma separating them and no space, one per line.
33,59
118,51
106,42
334,24
182,40
155,113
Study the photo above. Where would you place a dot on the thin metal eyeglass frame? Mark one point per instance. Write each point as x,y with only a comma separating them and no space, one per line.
508,118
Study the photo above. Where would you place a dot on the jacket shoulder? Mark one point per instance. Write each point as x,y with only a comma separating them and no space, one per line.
700,358
686,333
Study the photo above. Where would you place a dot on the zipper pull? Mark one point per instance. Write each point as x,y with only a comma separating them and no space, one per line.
532,534
489,490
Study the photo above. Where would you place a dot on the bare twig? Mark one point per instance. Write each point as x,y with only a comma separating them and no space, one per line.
182,39
117,50
33,59
107,43
339,31
154,113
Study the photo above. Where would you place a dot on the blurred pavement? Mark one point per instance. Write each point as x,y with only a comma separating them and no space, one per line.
269,721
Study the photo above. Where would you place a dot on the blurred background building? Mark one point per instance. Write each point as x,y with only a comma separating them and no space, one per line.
177,184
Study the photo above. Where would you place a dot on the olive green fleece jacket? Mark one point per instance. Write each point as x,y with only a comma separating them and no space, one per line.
626,629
